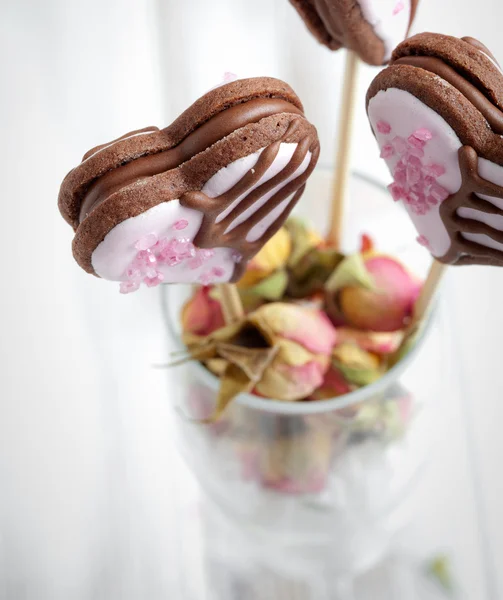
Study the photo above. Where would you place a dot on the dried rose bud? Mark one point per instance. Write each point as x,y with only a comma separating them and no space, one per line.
272,256
202,314
358,366
372,292
305,339
334,384
378,342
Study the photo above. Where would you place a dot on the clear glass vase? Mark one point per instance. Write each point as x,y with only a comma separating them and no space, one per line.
319,474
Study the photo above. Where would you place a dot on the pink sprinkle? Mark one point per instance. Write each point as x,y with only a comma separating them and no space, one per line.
146,242
415,162
400,174
399,144
126,287
229,77
416,152
423,134
387,151
438,192
184,248
383,127
154,281
217,272
398,8
206,279
415,183
435,170
134,274
413,175
181,224
145,257
168,252
206,253
197,262
416,142
396,191
423,241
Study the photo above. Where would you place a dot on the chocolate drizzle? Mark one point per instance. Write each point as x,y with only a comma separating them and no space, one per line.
480,46
213,234
463,251
206,135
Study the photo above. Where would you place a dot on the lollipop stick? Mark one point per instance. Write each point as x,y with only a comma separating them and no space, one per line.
343,158
231,302
427,295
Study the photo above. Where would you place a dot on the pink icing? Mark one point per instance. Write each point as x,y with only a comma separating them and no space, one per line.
387,151
181,224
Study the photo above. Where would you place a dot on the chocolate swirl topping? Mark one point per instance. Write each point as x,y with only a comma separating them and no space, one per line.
206,135
463,251
212,231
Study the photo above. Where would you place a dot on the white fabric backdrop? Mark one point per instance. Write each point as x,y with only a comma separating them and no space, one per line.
85,462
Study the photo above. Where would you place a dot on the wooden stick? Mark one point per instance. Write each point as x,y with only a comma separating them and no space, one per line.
343,157
427,295
231,303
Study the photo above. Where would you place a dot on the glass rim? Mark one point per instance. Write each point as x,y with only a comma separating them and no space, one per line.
312,407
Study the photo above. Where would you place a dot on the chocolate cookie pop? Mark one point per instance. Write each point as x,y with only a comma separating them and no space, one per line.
371,28
193,202
437,114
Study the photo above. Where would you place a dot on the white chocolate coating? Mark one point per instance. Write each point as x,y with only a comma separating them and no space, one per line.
405,115
112,257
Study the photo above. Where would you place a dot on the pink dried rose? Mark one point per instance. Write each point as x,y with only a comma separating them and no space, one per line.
202,314
305,339
378,342
372,292
333,385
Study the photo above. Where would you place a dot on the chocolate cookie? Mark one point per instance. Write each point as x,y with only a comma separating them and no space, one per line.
195,201
371,28
437,114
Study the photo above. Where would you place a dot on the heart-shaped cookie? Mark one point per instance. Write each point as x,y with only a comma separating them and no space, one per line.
195,201
437,115
371,28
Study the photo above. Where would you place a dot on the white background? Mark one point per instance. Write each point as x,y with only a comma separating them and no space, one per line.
86,468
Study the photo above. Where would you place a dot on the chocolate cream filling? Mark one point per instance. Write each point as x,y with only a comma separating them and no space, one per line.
217,128
492,114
